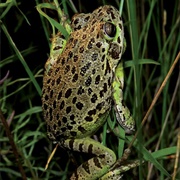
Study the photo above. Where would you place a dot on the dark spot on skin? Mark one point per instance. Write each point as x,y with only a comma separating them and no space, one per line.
71,40
81,129
97,37
74,100
63,129
54,126
68,93
50,72
102,156
51,93
76,28
71,144
75,78
109,81
58,80
57,70
86,166
102,67
59,95
68,109
81,49
108,69
67,68
120,25
104,90
64,120
92,29
74,43
90,91
48,81
80,90
76,21
72,117
50,111
85,68
92,112
87,18
62,105
59,123
50,118
45,106
92,40
103,50
73,133
75,58
100,9
97,79
88,81
58,61
93,71
46,97
90,148
94,56
57,117
101,93
100,105
73,70
54,104
96,162
84,36
57,48
99,44
119,40
94,98
70,54
103,58
69,127
101,14
90,43
88,118
63,61
73,122
79,105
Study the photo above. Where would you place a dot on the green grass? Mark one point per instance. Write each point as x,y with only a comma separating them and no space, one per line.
152,35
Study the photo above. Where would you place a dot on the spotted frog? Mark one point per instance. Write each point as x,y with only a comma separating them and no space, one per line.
83,81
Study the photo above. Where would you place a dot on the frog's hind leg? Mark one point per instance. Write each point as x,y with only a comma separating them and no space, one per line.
95,167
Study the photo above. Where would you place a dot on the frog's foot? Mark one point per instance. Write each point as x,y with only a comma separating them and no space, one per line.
95,167
115,172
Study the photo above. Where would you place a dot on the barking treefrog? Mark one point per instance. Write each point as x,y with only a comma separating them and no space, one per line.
83,81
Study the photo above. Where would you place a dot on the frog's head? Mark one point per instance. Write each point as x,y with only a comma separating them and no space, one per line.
103,29
113,33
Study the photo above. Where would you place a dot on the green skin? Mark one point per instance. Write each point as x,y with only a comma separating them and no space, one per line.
99,167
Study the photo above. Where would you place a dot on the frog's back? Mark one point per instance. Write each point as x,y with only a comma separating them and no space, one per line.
77,89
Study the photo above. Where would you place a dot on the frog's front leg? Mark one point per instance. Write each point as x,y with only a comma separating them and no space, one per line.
123,114
95,167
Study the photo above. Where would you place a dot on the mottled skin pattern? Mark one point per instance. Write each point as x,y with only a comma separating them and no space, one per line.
78,87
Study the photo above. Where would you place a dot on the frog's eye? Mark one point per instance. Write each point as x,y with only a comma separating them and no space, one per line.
110,29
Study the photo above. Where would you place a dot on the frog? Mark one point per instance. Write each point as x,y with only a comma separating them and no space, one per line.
83,81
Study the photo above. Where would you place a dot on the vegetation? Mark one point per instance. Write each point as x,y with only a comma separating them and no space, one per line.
152,35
